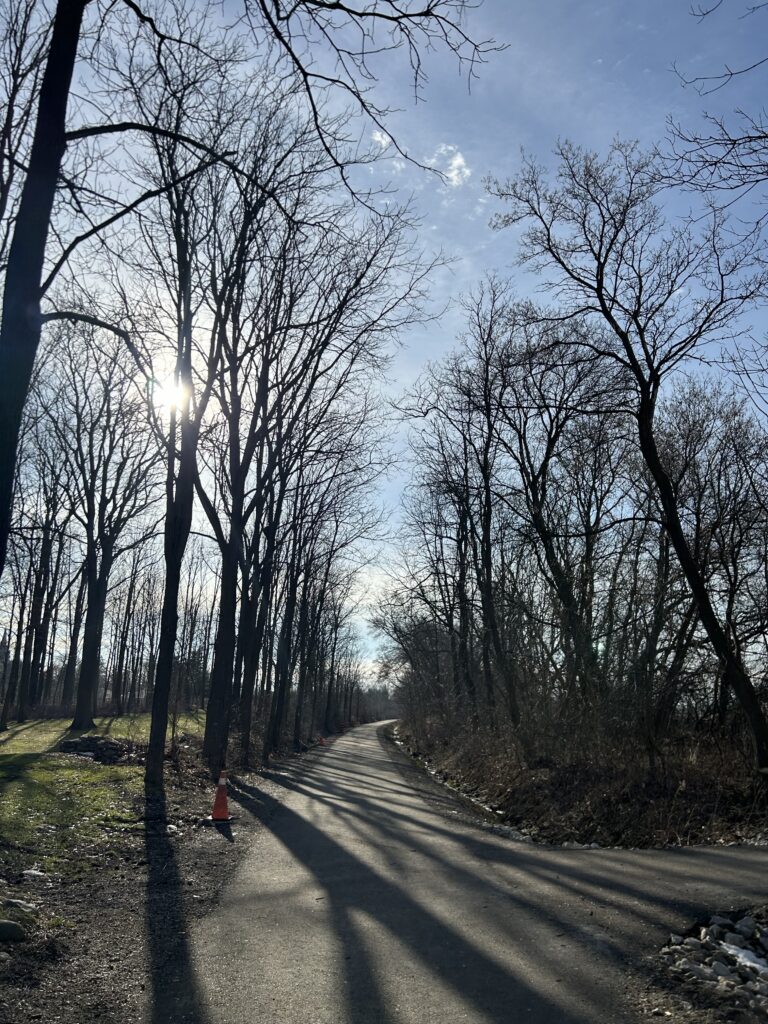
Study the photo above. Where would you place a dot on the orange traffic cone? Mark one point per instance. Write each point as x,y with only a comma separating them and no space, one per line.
220,808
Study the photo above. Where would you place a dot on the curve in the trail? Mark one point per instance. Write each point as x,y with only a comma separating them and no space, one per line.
364,901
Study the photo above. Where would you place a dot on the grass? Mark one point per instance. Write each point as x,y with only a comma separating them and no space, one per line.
60,812
57,812
42,734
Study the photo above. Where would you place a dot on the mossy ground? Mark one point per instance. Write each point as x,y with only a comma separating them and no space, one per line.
42,734
61,812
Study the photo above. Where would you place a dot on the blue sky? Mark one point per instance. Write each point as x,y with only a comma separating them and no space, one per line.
577,70
584,71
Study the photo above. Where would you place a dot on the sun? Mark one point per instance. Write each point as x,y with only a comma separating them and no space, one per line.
169,395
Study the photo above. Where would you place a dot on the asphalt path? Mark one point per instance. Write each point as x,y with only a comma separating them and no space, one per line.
371,898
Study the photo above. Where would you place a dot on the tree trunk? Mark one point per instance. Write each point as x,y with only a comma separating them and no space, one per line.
282,680
68,687
10,693
303,639
253,652
178,523
87,683
220,695
163,669
20,328
734,674
491,623
329,721
26,671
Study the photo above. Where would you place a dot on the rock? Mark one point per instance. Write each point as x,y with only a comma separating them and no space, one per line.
721,922
711,934
722,971
702,972
675,940
746,927
4,956
692,943
33,875
734,939
27,908
11,931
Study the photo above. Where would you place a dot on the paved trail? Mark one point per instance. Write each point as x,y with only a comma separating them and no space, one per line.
363,901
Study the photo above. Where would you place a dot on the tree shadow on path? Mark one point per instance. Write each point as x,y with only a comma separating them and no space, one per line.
174,989
356,891
566,922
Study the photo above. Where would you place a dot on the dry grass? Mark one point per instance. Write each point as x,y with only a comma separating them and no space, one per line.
690,799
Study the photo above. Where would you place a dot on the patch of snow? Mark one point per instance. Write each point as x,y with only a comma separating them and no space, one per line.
745,957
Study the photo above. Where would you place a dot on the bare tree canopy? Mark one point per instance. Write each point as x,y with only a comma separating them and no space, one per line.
352,37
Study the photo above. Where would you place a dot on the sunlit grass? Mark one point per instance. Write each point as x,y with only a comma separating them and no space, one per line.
59,812
40,735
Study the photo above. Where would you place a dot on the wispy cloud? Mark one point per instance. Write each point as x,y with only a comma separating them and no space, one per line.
451,161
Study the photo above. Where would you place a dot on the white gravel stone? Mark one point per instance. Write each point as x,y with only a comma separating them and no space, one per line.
728,960
701,972
28,908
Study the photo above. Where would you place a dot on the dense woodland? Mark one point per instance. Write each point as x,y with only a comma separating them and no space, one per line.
199,428
200,298
584,576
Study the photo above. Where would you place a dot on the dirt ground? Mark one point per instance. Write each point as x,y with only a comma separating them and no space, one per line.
108,926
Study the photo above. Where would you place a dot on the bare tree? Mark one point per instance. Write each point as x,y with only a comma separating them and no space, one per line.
290,27
94,410
660,293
